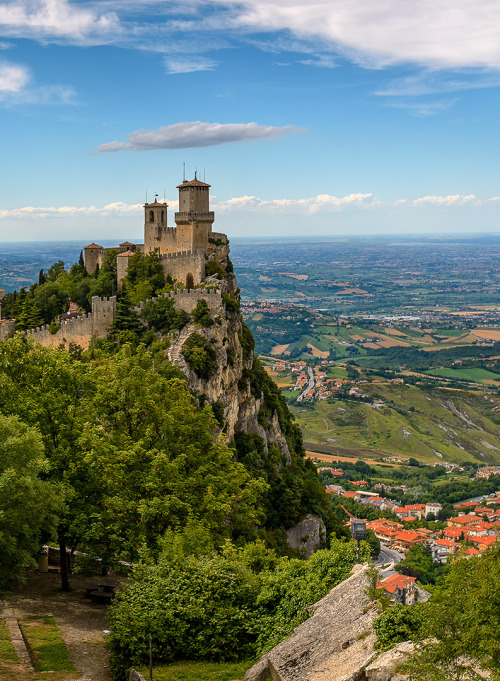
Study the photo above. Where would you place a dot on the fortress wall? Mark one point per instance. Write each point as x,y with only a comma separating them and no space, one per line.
186,300
7,329
179,265
80,329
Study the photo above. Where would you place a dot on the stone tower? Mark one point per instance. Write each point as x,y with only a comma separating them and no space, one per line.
194,219
155,225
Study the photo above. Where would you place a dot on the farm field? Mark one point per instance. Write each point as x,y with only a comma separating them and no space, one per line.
430,426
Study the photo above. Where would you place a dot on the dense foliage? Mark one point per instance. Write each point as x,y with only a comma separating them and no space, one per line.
28,503
230,605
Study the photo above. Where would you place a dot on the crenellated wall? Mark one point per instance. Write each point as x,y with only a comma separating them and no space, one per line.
179,265
80,330
186,300
96,324
7,329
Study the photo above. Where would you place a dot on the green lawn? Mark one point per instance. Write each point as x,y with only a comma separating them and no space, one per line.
477,375
44,639
199,671
7,653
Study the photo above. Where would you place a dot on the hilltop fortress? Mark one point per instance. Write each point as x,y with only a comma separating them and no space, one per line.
183,249
183,252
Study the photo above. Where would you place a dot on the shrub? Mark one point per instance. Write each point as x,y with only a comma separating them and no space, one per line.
213,267
200,355
201,314
161,315
397,624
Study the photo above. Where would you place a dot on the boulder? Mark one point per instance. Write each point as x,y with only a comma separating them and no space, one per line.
335,644
385,667
307,535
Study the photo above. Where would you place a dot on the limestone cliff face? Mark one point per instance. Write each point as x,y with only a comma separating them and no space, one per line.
229,386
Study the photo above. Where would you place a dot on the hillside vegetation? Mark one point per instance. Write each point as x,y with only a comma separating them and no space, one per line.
428,425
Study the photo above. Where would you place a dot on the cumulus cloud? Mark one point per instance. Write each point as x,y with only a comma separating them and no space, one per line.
197,134
435,33
320,204
16,87
446,201
189,64
52,19
13,77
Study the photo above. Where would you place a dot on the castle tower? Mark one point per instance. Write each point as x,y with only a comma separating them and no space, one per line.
93,256
194,219
155,224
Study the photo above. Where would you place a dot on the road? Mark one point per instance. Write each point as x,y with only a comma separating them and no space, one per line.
310,385
390,557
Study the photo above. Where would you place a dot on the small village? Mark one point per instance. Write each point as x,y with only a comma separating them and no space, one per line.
474,529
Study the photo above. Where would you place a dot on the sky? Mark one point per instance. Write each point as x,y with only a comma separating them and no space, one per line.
328,117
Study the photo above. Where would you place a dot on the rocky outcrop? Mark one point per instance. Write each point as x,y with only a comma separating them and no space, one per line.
335,644
229,386
308,535
386,666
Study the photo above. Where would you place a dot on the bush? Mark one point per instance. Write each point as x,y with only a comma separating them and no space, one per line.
201,314
213,267
397,624
200,355
161,315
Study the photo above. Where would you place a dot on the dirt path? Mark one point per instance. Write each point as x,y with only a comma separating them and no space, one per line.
81,622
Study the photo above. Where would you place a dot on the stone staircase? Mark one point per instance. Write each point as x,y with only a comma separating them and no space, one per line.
174,352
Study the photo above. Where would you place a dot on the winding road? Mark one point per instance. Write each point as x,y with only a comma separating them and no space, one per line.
310,385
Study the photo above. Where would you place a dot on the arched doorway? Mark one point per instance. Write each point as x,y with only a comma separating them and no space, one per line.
189,281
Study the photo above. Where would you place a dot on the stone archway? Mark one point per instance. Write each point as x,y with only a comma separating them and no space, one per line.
189,281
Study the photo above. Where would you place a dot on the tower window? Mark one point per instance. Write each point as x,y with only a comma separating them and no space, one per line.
151,216
163,216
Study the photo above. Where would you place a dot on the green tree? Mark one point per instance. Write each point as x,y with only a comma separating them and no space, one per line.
43,387
200,355
27,503
399,623
462,622
419,563
161,315
159,461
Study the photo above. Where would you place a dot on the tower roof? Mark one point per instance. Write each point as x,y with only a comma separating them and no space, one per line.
194,183
125,254
92,245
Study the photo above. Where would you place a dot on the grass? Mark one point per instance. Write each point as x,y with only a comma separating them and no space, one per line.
199,671
476,375
46,645
7,653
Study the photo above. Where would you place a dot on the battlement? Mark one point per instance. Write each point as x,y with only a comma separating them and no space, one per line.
7,328
187,300
179,254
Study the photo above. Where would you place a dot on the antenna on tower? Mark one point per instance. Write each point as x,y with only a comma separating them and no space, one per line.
183,172
164,198
203,174
146,194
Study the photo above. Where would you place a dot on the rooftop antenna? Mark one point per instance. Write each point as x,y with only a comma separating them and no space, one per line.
156,196
184,172
164,197
146,194
203,174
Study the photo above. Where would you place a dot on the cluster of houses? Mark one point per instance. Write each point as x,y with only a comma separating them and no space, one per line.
488,471
467,534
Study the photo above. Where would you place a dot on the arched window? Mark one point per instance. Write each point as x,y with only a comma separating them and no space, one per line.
163,216
189,281
151,216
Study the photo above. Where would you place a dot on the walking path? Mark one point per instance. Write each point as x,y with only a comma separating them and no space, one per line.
80,622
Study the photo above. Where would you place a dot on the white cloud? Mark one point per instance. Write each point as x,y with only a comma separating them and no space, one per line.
437,33
189,64
447,201
188,135
52,19
13,77
16,87
320,204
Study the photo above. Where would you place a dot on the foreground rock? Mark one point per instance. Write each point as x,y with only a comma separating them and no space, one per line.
335,644
308,535
385,667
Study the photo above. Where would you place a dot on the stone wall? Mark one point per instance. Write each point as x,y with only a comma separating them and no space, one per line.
186,300
179,265
7,329
81,329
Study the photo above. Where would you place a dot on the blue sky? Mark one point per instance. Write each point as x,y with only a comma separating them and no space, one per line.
332,117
